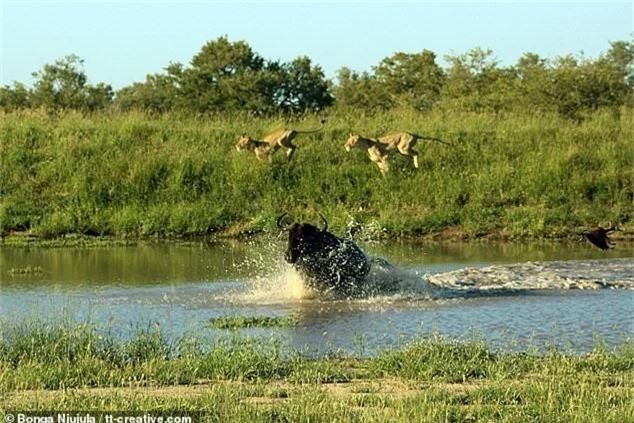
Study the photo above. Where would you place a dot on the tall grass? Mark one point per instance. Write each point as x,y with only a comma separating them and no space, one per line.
133,175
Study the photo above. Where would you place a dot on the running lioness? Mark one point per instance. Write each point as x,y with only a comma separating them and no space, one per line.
377,152
272,142
404,143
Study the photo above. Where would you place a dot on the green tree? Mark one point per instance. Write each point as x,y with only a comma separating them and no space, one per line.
413,80
98,97
14,98
302,87
60,85
226,76
532,83
159,93
64,85
617,70
474,82
360,91
573,86
580,85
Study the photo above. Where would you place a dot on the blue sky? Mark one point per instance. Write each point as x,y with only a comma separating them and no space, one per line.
121,41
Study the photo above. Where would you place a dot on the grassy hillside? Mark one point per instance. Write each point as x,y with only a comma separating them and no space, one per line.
135,175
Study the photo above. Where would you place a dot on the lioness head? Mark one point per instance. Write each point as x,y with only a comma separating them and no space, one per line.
352,141
244,142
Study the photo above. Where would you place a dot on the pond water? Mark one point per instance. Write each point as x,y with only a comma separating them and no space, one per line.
511,296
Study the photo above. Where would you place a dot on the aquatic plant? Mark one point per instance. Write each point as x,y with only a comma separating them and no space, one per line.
239,322
27,270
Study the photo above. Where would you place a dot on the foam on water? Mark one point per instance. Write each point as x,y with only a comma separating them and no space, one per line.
576,274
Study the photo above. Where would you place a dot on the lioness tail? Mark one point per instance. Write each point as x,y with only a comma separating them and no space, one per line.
308,131
422,137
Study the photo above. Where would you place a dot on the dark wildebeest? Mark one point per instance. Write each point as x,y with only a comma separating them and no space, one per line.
326,262
599,236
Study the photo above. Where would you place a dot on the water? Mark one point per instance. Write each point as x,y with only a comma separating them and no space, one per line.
510,296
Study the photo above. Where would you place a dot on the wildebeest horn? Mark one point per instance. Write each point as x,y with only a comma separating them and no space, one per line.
279,222
325,228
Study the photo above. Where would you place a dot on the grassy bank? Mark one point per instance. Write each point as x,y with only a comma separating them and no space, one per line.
45,366
135,176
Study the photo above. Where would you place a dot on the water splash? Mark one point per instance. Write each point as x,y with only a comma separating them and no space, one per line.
272,280
283,284
368,233
280,282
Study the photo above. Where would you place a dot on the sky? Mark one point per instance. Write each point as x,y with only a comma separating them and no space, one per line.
123,41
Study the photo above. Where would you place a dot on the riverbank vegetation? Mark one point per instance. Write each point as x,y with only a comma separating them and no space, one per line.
135,175
540,149
53,366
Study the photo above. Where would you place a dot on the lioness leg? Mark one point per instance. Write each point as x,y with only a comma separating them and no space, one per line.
411,153
271,150
380,158
384,166
415,158
261,153
290,150
382,162
286,142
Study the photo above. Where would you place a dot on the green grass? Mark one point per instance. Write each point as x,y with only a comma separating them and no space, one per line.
131,176
239,322
65,366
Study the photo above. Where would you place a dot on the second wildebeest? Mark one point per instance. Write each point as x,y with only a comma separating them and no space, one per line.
599,236
326,262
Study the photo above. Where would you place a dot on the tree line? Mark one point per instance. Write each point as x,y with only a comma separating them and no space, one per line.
226,76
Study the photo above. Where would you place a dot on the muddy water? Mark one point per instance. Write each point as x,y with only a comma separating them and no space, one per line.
510,296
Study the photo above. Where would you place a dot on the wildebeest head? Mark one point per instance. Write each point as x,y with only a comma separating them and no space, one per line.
303,238
325,261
